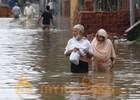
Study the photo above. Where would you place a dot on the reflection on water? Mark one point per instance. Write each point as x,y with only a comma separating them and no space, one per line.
39,57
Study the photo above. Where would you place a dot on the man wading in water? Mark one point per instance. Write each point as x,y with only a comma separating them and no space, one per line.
47,19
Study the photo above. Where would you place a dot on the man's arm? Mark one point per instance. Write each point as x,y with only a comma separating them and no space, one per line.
70,51
52,21
39,19
33,10
24,12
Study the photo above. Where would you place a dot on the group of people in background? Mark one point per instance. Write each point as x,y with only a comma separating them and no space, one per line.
29,13
99,51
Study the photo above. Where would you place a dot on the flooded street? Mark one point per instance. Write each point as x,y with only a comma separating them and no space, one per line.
33,67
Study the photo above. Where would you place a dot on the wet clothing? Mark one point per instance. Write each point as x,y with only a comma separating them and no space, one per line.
29,11
16,11
103,52
46,27
47,16
82,67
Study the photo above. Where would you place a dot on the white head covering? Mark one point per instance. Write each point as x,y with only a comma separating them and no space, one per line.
79,27
102,32
102,50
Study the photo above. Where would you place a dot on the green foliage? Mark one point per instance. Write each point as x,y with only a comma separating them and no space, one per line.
104,5
80,4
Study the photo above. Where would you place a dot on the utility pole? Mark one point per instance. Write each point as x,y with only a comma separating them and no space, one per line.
132,12
139,7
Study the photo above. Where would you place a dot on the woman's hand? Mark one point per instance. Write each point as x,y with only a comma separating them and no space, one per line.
112,66
112,62
88,54
85,51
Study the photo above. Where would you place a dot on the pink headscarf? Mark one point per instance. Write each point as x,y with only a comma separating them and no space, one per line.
102,51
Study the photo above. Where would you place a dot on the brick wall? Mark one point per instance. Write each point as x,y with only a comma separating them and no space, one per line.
66,8
114,22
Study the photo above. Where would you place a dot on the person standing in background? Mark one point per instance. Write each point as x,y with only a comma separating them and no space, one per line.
16,11
47,19
51,6
29,11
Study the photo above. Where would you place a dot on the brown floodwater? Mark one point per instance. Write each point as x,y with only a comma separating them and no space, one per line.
33,67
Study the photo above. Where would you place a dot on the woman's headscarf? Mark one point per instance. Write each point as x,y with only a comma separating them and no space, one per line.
104,50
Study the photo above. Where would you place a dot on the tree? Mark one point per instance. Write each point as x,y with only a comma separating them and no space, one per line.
107,5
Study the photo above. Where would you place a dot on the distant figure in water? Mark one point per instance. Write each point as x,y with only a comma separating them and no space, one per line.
16,11
47,19
29,11
103,52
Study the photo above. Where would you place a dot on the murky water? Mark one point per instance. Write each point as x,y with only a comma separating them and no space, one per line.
33,67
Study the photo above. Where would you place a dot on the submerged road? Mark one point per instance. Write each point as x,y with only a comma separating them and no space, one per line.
31,60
